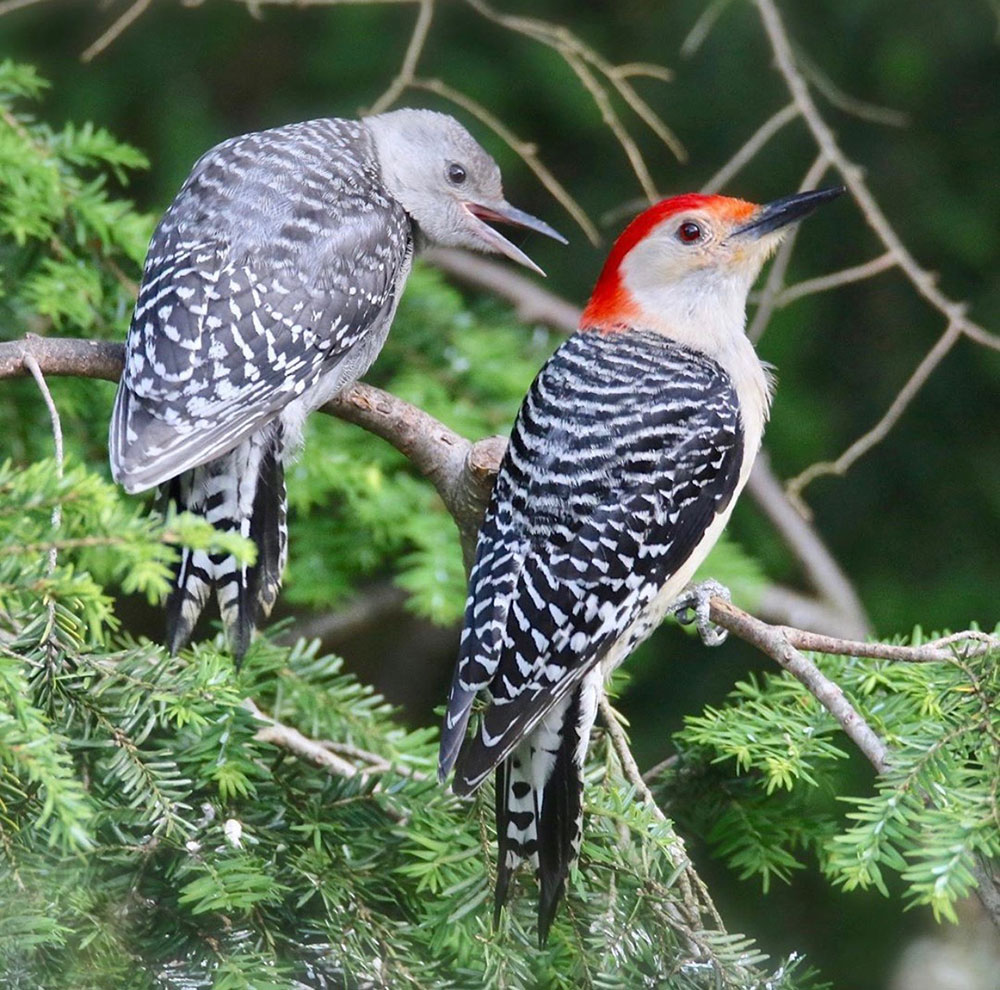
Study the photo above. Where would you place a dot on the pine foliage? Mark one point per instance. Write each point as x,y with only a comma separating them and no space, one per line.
763,777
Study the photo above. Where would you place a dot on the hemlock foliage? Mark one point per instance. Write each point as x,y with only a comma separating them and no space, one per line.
152,831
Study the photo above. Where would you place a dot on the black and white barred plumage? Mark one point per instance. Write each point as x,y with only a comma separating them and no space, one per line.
280,255
627,449
270,285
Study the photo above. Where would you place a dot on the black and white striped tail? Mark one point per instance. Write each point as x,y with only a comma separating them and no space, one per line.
539,805
243,492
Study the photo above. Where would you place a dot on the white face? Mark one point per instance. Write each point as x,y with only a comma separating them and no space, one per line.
699,249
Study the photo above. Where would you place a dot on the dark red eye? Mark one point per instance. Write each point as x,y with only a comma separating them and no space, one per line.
689,232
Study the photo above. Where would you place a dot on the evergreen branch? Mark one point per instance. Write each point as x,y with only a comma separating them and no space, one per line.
781,645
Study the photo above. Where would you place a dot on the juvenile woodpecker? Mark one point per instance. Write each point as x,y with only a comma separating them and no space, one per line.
624,464
270,285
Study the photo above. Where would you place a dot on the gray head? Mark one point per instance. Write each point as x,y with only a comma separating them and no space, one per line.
447,183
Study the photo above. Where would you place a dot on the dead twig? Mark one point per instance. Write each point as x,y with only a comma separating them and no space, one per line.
861,446
414,49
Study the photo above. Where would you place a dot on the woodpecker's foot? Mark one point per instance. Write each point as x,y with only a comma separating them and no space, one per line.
693,604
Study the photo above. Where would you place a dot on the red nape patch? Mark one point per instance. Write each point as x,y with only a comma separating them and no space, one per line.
610,304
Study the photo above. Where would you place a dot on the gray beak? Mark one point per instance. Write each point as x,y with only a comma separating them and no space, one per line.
503,212
787,210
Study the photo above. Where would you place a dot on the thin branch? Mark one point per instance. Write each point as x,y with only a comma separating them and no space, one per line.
568,45
647,70
697,905
880,430
774,641
414,50
116,30
923,281
287,737
834,280
614,123
779,267
821,568
965,644
861,109
630,769
753,145
702,27
9,6
57,437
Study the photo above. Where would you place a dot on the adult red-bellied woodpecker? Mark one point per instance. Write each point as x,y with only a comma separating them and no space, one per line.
270,286
624,465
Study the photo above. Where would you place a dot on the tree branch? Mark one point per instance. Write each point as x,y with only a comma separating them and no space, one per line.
783,646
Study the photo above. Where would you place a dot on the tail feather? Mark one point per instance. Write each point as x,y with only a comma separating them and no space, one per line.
243,492
539,801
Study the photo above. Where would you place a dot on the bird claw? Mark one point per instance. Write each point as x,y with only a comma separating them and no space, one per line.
694,604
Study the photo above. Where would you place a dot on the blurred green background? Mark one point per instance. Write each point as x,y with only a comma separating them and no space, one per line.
916,523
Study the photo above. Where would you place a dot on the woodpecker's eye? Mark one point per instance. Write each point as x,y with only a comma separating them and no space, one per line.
689,232
456,174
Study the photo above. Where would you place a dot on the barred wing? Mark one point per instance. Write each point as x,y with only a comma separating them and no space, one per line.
625,450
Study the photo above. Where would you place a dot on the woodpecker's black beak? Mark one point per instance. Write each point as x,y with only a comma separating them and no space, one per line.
503,212
787,210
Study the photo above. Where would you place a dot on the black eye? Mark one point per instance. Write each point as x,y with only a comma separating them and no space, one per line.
456,174
689,232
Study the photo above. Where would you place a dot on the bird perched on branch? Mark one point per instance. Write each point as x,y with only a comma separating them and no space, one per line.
270,285
624,464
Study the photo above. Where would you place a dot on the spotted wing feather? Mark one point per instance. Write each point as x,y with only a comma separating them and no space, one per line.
279,254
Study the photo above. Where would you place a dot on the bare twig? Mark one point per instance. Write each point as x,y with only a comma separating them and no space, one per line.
614,124
57,438
630,769
702,27
921,279
880,430
753,145
697,904
775,642
834,280
294,741
9,6
568,45
969,643
861,109
768,298
413,52
116,30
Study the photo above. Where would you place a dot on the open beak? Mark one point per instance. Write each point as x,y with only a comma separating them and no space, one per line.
503,212
782,212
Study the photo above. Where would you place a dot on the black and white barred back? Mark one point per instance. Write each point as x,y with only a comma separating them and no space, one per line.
627,447
269,285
